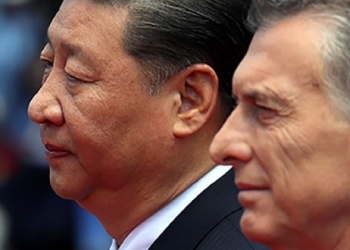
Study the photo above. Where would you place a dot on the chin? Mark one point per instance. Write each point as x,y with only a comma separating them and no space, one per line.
67,188
62,191
257,229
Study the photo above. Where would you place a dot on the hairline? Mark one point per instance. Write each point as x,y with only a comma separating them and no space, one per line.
329,21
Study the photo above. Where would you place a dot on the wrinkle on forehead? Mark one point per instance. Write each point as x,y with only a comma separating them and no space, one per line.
274,58
85,14
82,26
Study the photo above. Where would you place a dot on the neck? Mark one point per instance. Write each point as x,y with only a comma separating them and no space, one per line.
120,211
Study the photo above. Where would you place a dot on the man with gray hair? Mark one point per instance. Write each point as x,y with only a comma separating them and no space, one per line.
289,137
132,95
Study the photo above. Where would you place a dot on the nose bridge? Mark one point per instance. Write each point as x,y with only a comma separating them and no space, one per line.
231,142
235,126
45,106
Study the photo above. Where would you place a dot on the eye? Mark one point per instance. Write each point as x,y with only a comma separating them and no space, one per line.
264,114
77,80
75,75
47,70
72,79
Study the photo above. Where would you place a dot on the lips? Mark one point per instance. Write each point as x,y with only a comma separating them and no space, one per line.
249,193
249,187
53,152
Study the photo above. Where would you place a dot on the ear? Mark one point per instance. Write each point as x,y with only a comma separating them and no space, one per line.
198,87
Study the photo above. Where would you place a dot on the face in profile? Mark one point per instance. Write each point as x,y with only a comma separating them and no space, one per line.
286,141
97,121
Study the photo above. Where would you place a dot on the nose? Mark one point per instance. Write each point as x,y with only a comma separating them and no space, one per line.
231,144
45,107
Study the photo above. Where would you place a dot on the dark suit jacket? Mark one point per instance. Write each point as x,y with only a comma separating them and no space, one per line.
210,222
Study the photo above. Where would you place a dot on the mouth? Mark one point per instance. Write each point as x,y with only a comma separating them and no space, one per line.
249,187
249,194
54,152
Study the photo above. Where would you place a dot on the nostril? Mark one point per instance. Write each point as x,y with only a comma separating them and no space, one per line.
228,160
53,114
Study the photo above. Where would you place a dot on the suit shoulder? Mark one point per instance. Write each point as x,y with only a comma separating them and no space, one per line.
227,235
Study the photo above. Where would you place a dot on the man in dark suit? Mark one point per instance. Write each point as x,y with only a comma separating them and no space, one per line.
132,96
203,225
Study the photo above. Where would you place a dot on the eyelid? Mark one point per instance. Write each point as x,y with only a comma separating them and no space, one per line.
76,78
47,62
262,103
47,69
265,103
264,107
46,57
47,50
71,77
265,115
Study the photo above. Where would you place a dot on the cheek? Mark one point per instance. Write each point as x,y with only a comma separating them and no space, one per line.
288,151
95,124
103,113
110,130
102,146
307,173
281,158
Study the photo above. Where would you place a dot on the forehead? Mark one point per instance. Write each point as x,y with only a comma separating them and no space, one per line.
86,35
284,54
83,23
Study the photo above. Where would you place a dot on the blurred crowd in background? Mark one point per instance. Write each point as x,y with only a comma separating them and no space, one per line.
31,215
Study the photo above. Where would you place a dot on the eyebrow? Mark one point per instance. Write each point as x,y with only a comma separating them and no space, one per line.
67,46
259,93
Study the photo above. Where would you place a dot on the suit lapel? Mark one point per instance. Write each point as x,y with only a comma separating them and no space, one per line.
210,207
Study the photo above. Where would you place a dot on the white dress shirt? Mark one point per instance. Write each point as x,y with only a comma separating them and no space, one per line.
143,236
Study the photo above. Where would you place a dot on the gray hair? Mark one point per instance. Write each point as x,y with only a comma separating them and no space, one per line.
334,18
167,36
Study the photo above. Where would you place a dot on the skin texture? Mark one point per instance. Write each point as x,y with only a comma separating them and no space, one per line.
289,146
112,146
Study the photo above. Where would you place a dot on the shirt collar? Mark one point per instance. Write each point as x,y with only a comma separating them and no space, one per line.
143,236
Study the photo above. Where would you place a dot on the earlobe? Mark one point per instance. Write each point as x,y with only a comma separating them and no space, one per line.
199,91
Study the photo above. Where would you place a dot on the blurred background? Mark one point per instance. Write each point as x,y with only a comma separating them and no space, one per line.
32,216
